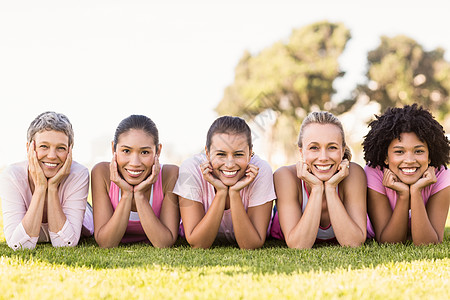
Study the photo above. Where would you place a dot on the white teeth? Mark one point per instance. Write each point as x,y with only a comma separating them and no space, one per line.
50,165
229,173
323,168
134,172
409,170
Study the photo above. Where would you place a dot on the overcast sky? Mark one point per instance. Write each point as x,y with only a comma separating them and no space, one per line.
100,61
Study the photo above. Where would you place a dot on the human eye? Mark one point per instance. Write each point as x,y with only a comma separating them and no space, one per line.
398,151
145,152
420,151
313,148
43,146
126,151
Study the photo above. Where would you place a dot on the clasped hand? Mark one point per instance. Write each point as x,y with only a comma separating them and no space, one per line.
125,186
304,173
250,174
390,180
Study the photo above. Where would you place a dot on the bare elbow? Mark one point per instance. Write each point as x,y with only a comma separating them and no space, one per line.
294,244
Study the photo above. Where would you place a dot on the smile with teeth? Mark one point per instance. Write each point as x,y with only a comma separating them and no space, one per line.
135,173
323,168
50,165
408,170
229,173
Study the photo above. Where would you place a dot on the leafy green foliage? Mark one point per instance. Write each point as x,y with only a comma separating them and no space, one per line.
290,78
401,72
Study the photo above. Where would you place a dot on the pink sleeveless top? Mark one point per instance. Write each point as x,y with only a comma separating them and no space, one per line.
135,232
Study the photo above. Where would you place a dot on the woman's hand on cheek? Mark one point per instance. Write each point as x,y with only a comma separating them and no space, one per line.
304,173
115,176
63,172
147,183
428,177
250,174
207,172
36,172
342,172
390,180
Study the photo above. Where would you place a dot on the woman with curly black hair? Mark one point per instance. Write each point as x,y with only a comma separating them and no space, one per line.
407,153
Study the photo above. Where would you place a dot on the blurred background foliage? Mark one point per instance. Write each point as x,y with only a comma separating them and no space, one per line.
292,78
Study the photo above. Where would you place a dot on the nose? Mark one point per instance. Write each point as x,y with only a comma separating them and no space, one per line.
410,157
51,153
134,160
323,155
229,162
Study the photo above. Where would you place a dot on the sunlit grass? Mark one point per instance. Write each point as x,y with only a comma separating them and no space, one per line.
141,271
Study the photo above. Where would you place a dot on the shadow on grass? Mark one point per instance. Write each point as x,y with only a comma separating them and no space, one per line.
274,257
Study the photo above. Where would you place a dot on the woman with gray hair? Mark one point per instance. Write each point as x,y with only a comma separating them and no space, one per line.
44,198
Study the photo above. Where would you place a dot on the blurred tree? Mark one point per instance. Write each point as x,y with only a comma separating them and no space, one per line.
289,79
401,72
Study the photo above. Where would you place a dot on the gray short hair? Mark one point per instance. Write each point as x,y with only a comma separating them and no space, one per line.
50,120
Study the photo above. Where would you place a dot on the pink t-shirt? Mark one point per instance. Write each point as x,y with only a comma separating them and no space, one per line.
135,232
191,185
16,197
375,182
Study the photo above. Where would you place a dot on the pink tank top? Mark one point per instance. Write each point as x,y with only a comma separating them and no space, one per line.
135,232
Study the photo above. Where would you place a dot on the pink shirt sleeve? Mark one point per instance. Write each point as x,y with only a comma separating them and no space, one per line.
73,193
442,181
261,190
190,181
16,197
375,179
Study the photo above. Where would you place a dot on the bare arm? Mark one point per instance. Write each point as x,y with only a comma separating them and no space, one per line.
161,232
349,215
109,224
391,226
299,229
428,223
201,229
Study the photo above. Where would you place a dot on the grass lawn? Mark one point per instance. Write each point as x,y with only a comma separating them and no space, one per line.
141,271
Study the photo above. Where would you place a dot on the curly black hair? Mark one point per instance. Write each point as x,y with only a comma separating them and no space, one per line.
397,120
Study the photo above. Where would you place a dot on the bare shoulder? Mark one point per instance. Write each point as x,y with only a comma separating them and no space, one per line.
169,171
355,178
169,177
285,174
101,169
356,171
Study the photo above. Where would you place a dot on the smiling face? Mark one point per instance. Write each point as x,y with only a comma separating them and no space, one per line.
136,152
52,148
408,157
322,149
229,155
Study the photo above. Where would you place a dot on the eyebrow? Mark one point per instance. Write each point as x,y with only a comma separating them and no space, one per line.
130,147
416,146
223,151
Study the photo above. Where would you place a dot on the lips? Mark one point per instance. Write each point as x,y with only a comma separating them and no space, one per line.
134,173
323,167
229,173
50,165
408,171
